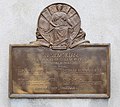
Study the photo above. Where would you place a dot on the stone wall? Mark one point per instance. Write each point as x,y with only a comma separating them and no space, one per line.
101,22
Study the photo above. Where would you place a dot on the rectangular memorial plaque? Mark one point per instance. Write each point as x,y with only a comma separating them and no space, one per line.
40,72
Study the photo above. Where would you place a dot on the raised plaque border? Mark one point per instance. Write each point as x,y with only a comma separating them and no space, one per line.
60,96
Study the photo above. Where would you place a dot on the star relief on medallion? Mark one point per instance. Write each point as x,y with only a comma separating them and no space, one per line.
59,27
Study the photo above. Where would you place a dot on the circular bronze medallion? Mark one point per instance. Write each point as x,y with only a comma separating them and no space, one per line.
58,22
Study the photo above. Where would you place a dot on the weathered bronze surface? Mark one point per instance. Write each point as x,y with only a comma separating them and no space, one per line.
42,72
60,63
59,27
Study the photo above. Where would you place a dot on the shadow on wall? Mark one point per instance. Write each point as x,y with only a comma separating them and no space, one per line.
98,103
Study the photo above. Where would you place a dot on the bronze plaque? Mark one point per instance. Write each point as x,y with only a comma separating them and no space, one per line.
75,73
61,63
